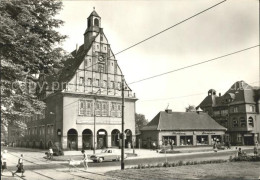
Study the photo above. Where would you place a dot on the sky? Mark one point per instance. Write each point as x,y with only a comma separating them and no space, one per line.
226,28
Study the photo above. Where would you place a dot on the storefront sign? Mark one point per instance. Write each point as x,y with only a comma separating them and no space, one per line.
208,133
181,133
247,135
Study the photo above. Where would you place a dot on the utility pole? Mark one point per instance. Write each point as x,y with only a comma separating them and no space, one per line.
123,128
94,148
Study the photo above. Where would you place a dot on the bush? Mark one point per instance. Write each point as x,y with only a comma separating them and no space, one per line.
180,163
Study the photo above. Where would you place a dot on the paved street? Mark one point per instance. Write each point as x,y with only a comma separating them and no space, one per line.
39,168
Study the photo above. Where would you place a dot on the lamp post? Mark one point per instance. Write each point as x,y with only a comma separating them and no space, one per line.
123,130
95,99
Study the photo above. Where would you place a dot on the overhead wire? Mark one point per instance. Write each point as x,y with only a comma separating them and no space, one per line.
150,37
196,64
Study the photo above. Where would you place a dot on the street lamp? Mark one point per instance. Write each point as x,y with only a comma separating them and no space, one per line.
95,98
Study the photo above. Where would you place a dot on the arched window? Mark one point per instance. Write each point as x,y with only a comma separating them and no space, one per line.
251,121
96,22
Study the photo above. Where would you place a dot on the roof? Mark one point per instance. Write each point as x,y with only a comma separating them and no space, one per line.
94,13
239,92
182,121
72,64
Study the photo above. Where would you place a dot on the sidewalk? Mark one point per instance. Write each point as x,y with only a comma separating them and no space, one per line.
147,153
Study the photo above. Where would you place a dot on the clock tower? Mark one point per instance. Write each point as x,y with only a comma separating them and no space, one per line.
94,24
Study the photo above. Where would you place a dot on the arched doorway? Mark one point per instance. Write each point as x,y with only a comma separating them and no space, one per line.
72,139
87,139
41,145
115,137
128,139
101,139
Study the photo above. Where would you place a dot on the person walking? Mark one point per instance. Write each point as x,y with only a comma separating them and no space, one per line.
3,162
50,153
85,159
20,168
255,151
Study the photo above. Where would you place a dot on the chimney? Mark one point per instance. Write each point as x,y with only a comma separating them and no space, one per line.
169,111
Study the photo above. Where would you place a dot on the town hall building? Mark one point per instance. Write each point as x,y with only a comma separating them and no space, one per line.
85,105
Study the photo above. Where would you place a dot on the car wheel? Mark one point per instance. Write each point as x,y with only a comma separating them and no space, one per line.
100,160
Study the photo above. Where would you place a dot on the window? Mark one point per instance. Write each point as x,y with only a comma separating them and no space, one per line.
89,108
112,84
104,83
252,108
112,64
97,82
101,37
239,137
97,46
105,48
118,85
89,81
235,122
235,109
251,121
104,109
101,68
242,122
96,22
224,112
216,113
81,107
81,81
35,130
29,131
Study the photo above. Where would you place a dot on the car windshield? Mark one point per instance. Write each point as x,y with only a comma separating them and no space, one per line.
104,151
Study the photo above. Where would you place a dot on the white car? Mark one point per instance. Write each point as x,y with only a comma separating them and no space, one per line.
107,155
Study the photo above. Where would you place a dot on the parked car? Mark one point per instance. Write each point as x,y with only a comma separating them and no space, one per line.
107,155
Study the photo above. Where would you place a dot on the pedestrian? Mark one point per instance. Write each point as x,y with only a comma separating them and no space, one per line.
154,146
50,153
256,143
85,159
20,168
172,143
3,161
239,153
255,150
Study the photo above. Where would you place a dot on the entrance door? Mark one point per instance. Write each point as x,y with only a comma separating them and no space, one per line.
114,137
101,139
72,139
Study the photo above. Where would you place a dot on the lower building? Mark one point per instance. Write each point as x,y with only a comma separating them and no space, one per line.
181,129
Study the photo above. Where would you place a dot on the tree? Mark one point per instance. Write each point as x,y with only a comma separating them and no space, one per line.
140,121
191,108
29,44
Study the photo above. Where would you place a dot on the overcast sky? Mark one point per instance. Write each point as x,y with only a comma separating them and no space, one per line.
229,27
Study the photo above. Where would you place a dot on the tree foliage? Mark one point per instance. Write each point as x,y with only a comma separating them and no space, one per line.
140,121
29,44
190,108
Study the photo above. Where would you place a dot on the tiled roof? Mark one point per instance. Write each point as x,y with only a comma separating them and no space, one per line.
72,64
182,121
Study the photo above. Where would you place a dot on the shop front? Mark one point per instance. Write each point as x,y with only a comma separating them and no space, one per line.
169,129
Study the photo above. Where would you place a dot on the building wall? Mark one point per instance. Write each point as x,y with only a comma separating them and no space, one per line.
72,119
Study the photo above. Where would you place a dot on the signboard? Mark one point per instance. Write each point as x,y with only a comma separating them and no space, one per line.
248,135
180,133
208,133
